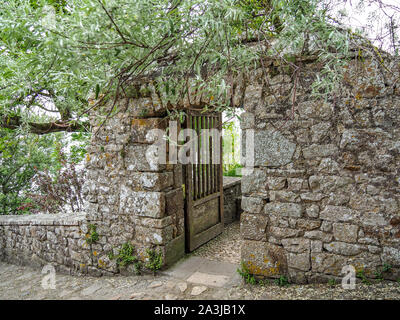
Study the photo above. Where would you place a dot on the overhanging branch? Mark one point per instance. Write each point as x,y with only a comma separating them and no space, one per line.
44,128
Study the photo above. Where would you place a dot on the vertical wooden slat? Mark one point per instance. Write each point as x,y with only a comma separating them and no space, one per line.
216,165
209,190
201,119
221,184
188,170
211,158
203,166
198,158
189,125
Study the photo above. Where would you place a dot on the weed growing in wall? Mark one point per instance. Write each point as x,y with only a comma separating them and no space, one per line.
332,282
361,275
126,257
92,236
245,274
282,281
155,260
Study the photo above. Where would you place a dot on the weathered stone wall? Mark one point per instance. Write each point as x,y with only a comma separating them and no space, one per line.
232,199
132,200
129,200
324,192
41,239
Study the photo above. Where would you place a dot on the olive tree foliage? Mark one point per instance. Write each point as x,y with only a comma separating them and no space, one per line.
21,157
55,54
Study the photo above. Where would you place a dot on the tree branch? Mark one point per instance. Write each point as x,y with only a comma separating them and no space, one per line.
15,122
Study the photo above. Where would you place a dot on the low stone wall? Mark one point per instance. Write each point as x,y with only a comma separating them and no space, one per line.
232,199
41,239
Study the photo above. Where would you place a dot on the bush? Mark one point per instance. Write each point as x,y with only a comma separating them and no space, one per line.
60,191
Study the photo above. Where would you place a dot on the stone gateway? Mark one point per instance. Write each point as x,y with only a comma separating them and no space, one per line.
324,191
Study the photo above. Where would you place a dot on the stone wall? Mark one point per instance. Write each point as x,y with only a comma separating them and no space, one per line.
232,199
130,200
324,192
41,239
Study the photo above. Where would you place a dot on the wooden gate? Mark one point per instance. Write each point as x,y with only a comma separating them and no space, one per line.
204,216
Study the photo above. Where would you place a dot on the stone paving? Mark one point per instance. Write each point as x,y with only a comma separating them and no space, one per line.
208,273
205,282
17,282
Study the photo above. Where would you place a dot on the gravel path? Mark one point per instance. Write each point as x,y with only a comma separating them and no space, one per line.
225,247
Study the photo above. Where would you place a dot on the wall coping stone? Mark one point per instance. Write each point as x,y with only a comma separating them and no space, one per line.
61,219
231,181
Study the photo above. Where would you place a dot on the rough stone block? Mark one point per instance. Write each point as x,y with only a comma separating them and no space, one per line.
246,120
327,184
296,245
156,223
255,181
141,129
374,219
280,233
299,261
153,235
276,183
143,157
308,224
318,235
284,196
152,181
315,109
284,209
174,250
252,205
318,150
345,249
312,211
253,227
271,149
142,203
345,232
264,259
174,201
391,256
338,213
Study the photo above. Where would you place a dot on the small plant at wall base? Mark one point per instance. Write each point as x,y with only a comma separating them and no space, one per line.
155,260
361,275
263,282
282,281
332,282
380,273
126,257
244,272
386,267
